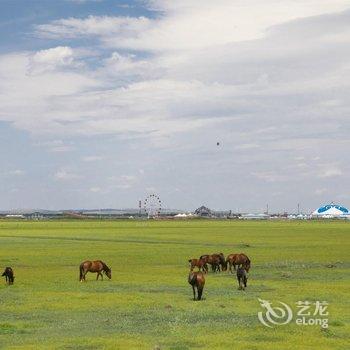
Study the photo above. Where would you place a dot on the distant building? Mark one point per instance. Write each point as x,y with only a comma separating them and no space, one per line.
203,211
14,216
255,216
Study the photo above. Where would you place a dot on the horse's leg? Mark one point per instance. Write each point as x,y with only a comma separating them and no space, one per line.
194,293
199,292
98,274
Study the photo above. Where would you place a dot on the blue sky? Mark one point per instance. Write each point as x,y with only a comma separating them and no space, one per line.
104,102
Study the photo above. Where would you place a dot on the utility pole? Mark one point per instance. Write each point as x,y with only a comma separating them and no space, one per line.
267,209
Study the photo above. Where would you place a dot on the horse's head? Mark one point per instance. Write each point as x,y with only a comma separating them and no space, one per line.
247,266
108,273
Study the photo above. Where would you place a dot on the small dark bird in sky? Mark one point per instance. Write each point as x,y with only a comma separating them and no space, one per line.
218,144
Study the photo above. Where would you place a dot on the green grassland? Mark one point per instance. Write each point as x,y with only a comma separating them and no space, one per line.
148,303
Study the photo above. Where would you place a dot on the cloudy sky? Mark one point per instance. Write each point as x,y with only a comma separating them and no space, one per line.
104,102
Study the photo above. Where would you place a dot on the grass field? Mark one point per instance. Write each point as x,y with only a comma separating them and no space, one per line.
148,305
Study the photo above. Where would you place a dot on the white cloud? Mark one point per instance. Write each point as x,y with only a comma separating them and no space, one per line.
320,191
50,59
55,146
170,92
330,172
92,158
66,175
186,24
270,176
17,172
123,181
103,26
95,189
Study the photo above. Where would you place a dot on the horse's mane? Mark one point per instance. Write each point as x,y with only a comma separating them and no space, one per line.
105,267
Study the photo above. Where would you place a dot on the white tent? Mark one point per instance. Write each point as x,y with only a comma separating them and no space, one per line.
331,211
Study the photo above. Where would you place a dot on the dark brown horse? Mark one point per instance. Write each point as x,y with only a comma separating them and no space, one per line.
242,278
213,260
223,263
200,263
9,277
97,266
239,260
197,281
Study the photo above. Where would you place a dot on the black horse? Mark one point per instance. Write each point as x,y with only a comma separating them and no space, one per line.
242,278
8,273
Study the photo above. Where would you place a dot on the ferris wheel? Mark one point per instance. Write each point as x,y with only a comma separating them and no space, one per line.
152,205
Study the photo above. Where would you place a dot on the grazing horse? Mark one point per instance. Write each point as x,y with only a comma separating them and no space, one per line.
97,266
9,277
213,260
239,260
242,278
196,280
223,263
200,263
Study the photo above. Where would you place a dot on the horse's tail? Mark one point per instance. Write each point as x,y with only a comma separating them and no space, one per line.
80,272
192,278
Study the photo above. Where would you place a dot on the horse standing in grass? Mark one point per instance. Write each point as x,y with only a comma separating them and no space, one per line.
197,281
200,263
96,266
242,278
239,260
223,263
9,277
213,260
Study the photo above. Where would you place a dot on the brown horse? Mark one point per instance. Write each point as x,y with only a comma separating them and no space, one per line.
196,280
223,263
97,266
9,277
200,263
239,260
213,260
